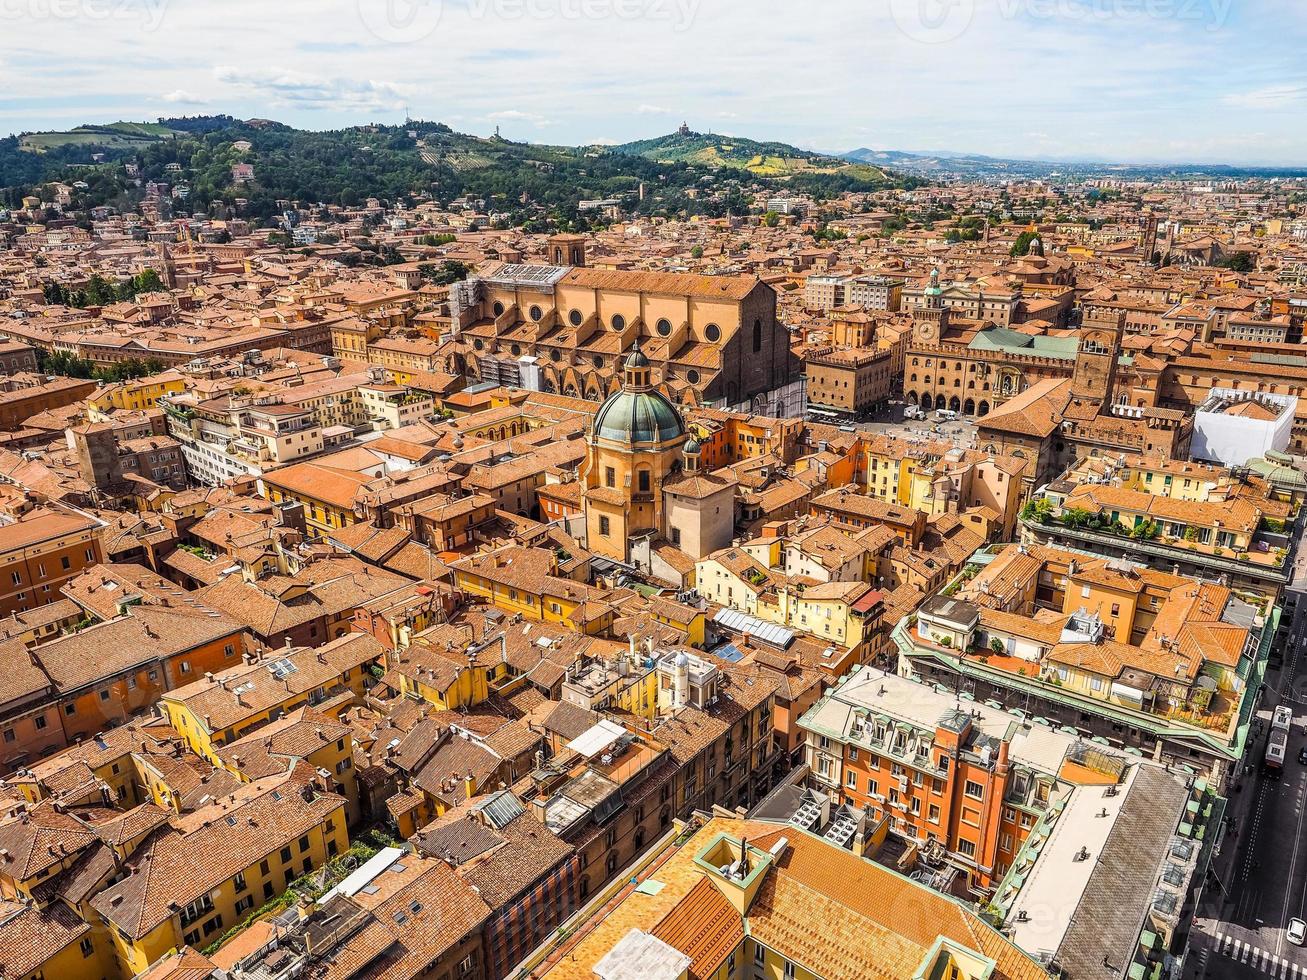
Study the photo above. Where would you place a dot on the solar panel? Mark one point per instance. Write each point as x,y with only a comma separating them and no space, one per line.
528,275
770,633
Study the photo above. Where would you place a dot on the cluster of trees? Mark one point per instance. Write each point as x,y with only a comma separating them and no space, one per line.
1022,245
969,229
71,366
447,272
1239,262
99,291
826,233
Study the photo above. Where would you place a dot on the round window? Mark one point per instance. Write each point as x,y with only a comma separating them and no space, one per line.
619,322
478,345
498,309
555,356
517,349
713,333
536,313
598,361
575,318
664,328
692,376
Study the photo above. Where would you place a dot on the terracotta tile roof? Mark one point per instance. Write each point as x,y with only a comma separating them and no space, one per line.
187,964
665,283
426,918
324,588
102,589
704,926
43,524
146,635
271,749
530,852
196,853
247,690
30,937
22,678
1034,412
41,838
834,913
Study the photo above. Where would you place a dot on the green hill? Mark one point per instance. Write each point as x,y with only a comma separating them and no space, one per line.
761,159
524,182
119,135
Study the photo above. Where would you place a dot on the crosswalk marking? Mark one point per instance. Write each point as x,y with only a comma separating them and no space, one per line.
1263,960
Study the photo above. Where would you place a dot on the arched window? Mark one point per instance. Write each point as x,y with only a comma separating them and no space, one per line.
757,336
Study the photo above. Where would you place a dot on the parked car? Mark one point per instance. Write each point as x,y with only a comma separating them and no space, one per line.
1297,932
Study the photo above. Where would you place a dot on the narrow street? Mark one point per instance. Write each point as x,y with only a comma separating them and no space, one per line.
1261,874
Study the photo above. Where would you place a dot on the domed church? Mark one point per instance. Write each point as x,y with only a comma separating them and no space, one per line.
641,466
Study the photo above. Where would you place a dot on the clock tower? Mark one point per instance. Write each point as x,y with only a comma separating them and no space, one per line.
931,319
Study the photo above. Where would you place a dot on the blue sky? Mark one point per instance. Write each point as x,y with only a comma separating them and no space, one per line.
1129,80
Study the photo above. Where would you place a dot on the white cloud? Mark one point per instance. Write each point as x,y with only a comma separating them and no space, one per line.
183,97
653,110
1269,97
299,90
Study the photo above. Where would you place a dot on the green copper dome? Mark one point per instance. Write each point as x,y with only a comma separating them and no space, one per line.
638,417
934,289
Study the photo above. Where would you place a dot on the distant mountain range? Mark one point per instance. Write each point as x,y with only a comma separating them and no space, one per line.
979,166
684,173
